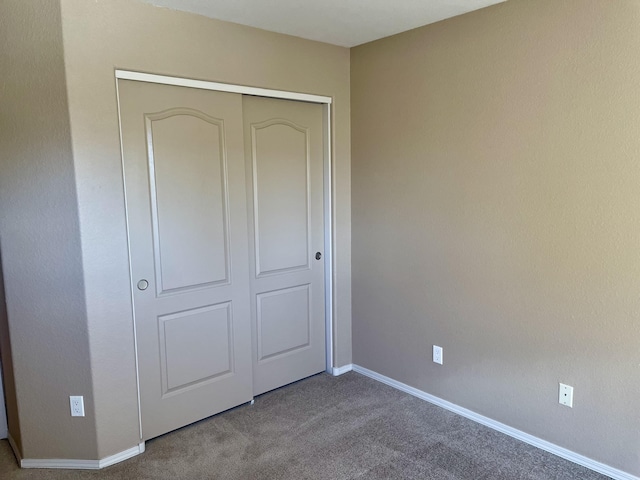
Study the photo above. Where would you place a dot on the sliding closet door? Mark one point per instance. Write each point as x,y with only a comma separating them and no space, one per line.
284,152
186,204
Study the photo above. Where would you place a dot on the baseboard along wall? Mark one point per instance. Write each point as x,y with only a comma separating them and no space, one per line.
337,371
72,464
561,452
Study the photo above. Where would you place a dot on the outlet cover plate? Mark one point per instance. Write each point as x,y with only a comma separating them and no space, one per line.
437,354
565,396
77,406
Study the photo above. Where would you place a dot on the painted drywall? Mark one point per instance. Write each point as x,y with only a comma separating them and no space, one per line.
102,35
495,213
48,357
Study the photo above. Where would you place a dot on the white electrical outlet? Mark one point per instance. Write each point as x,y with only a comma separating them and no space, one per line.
77,406
437,354
565,396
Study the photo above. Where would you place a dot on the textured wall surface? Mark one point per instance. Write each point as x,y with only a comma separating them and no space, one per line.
495,213
102,35
40,240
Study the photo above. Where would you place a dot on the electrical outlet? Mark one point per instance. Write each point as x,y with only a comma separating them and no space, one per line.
565,396
77,406
437,354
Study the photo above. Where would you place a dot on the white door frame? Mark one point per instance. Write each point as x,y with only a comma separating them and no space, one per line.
328,180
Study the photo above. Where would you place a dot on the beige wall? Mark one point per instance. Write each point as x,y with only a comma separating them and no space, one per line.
48,359
102,35
496,193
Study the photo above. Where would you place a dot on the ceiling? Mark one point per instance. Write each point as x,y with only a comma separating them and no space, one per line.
341,22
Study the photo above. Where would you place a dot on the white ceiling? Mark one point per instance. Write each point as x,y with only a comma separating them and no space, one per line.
341,22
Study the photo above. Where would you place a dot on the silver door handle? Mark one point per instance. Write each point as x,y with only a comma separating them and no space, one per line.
143,284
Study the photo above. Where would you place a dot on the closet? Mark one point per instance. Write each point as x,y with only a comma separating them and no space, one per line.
224,198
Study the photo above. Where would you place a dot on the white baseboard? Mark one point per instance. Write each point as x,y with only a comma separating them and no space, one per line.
122,456
79,464
337,371
501,427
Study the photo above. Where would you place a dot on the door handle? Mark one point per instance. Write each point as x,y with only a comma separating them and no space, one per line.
318,255
143,284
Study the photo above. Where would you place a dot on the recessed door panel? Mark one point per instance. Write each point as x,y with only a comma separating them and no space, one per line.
188,196
284,151
185,181
195,346
283,321
281,195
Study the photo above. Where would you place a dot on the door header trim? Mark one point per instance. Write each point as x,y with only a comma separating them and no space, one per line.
220,87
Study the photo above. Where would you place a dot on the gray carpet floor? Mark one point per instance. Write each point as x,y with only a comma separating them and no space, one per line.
347,427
